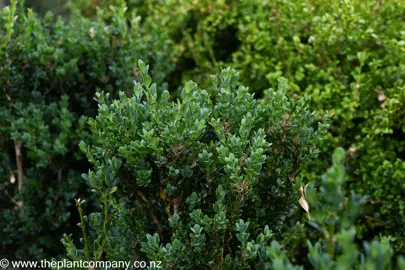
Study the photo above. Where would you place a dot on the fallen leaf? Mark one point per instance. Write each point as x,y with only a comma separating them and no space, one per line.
304,204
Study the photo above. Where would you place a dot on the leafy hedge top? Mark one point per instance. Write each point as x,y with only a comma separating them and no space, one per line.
201,159
247,145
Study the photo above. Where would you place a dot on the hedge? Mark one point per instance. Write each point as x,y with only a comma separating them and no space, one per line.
50,71
347,55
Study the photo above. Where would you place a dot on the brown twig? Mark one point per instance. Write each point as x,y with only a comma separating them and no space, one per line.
18,156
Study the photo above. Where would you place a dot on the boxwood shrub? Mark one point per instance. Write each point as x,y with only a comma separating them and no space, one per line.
50,71
202,162
207,180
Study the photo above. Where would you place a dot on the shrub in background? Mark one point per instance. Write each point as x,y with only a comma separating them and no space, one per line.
42,6
348,55
49,72
176,177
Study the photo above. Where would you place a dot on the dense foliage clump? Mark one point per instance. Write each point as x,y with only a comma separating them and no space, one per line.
50,71
202,162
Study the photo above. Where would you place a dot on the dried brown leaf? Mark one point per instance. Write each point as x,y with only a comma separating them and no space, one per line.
304,204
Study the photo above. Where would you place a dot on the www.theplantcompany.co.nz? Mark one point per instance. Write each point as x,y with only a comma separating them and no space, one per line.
65,264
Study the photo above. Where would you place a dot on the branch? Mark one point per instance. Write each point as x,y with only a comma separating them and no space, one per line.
19,161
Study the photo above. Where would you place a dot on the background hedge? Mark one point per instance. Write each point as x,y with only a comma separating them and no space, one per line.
50,72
